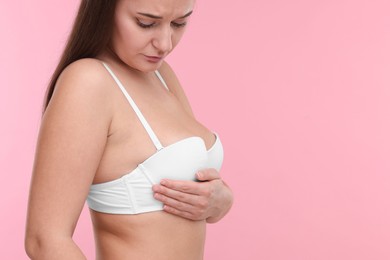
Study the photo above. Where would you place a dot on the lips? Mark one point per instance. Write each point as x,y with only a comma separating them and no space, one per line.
154,58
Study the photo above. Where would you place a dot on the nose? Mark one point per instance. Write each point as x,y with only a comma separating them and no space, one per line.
163,40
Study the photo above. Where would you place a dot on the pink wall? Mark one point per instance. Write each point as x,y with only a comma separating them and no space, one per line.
299,92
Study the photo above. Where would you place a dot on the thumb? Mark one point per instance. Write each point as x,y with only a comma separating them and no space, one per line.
207,175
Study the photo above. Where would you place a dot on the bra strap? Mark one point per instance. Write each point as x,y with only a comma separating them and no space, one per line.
161,79
147,127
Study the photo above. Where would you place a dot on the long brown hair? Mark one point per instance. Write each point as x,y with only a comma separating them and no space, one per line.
90,34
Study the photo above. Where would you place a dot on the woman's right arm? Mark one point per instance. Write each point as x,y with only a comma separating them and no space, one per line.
71,142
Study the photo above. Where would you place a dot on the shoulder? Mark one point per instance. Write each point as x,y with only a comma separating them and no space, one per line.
89,73
174,86
82,85
84,78
170,78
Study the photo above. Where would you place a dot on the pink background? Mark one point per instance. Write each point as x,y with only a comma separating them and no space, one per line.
299,92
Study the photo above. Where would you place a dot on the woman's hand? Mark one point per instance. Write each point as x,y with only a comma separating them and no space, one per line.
210,199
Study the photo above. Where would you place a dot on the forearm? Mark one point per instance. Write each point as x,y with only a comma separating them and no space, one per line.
222,208
45,249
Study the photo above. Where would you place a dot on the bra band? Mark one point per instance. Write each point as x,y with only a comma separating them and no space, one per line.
147,127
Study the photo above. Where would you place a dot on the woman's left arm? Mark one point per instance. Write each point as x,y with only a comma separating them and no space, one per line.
209,199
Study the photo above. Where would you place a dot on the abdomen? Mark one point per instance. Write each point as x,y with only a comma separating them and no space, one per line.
155,236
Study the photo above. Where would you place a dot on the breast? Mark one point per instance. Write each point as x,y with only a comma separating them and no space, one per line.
132,193
178,161
215,154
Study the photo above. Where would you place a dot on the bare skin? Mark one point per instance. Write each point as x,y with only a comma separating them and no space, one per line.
210,199
116,143
146,231
90,134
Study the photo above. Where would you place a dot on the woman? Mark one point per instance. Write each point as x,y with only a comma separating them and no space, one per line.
118,131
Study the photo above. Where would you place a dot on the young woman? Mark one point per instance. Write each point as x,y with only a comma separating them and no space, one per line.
118,131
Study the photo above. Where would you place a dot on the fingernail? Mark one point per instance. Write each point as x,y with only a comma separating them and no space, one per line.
163,182
199,175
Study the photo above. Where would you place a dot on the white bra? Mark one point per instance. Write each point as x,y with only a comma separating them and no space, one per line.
132,193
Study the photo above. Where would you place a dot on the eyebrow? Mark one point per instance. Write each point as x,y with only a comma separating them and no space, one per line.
160,17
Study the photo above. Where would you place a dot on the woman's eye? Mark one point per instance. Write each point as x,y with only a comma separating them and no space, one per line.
178,25
144,25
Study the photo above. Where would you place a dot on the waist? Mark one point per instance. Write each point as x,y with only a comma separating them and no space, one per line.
154,235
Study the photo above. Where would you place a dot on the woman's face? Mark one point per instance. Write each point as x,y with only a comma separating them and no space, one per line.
146,31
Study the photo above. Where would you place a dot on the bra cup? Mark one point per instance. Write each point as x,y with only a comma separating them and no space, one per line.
133,194
179,161
215,156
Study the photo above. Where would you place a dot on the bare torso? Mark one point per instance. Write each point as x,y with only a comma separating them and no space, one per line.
154,235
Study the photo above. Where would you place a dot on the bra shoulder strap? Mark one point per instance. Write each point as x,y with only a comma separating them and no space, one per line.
140,116
161,79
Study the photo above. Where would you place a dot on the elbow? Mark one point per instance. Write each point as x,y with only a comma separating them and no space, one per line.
38,245
32,246
41,245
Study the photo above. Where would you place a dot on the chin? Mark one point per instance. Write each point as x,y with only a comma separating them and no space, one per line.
147,66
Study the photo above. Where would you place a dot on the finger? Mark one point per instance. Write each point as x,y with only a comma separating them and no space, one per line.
208,175
183,214
178,205
176,195
189,187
